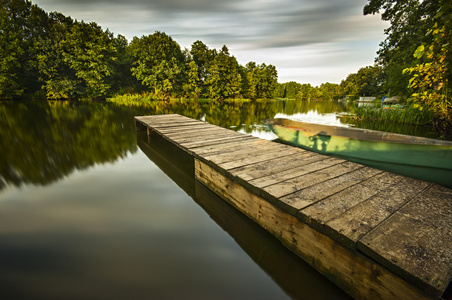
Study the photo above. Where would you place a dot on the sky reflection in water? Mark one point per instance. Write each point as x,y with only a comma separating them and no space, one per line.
119,230
86,212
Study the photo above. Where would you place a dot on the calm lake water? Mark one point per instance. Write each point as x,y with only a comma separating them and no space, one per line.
89,209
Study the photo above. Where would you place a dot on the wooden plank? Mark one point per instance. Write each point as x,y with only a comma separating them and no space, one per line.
250,141
212,134
246,152
181,129
320,184
156,117
313,174
180,123
156,121
195,130
256,158
312,194
275,165
219,140
319,213
356,274
416,240
335,205
162,117
298,168
351,225
166,123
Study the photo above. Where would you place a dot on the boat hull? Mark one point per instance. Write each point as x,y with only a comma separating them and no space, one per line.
423,161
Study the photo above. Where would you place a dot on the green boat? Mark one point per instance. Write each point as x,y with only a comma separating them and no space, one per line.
417,157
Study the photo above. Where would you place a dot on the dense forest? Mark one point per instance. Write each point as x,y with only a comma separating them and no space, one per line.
51,56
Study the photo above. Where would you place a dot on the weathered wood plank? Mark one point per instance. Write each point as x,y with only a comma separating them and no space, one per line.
269,167
333,206
152,121
351,225
175,124
250,141
228,165
247,152
188,138
359,276
219,140
297,169
313,174
201,133
352,174
416,241
161,123
196,127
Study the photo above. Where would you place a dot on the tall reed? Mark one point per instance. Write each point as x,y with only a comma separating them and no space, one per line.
408,115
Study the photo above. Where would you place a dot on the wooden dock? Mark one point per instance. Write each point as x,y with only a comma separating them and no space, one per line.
375,234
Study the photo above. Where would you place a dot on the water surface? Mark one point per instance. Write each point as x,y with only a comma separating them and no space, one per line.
89,209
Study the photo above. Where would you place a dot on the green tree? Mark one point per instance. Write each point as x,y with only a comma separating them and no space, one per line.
90,52
291,89
224,80
20,24
203,57
409,20
191,86
329,91
366,82
306,92
262,80
251,80
122,79
59,79
432,74
280,91
158,63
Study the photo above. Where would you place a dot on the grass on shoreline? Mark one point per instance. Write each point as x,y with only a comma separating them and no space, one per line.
147,98
408,115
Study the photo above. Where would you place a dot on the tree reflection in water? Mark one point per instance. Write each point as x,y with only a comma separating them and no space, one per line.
42,142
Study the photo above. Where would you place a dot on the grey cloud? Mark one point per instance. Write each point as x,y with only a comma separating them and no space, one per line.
167,6
251,26
268,23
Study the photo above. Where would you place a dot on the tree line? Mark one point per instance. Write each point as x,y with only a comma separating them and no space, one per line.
415,59
52,56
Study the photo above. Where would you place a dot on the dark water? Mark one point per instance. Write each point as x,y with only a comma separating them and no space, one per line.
89,209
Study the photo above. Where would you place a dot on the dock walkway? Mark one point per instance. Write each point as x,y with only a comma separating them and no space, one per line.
375,234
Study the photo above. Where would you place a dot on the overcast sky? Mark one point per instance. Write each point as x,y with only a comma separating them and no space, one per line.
308,41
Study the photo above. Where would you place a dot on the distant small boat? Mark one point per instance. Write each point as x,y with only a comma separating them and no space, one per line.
418,157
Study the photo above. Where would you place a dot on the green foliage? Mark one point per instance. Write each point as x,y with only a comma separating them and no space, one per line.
330,91
260,81
366,82
158,63
203,57
53,56
224,80
433,72
90,52
45,141
414,115
409,20
20,23
192,87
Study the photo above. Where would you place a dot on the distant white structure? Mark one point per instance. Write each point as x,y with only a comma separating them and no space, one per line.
392,100
366,99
